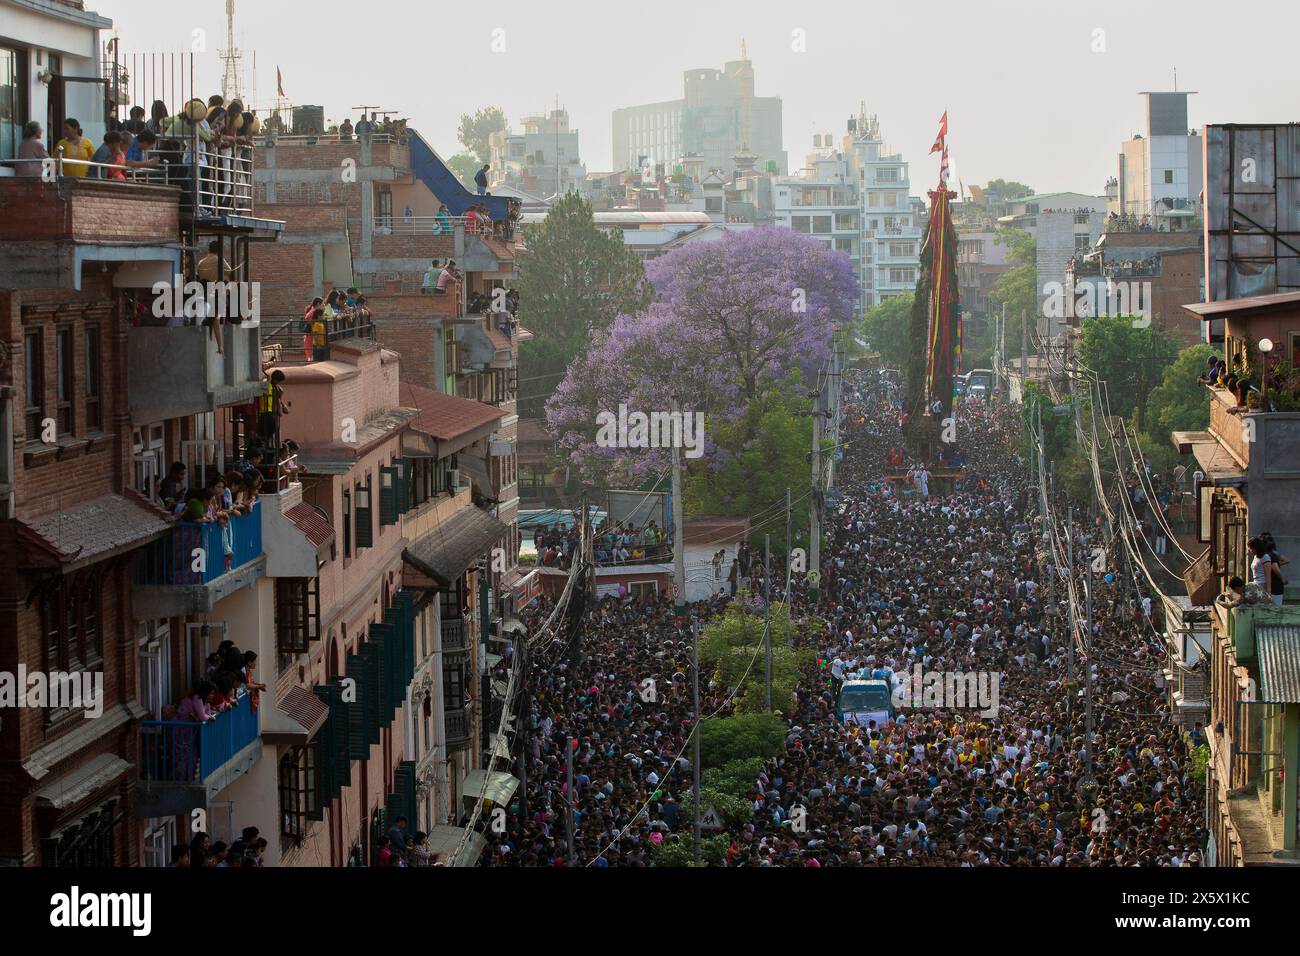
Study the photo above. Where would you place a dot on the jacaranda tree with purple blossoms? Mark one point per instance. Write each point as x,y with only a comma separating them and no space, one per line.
731,321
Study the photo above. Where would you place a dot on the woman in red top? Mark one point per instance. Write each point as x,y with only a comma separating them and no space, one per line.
254,688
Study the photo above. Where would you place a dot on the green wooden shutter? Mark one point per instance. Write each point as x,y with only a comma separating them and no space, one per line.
328,776
375,711
358,742
383,639
365,516
403,466
387,497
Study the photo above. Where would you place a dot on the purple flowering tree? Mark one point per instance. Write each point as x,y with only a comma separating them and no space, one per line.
730,319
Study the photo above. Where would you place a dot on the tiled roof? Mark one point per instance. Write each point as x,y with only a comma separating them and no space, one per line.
502,250
498,338
446,417
99,528
311,523
449,549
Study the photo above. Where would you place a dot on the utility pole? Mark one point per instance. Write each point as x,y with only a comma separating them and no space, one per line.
767,617
1087,740
679,535
1024,352
789,512
525,706
1069,653
814,502
572,801
695,756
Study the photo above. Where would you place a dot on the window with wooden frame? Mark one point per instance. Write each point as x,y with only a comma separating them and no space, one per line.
453,687
34,364
297,614
70,622
299,794
65,410
91,377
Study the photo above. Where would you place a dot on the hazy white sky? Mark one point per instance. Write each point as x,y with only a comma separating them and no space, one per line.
1027,97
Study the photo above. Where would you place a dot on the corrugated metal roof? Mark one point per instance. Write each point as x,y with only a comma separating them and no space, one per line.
1278,647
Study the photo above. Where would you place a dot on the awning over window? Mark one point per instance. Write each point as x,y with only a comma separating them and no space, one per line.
83,782
449,550
293,720
444,841
500,786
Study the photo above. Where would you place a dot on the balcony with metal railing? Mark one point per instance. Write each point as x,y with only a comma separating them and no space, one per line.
185,764
455,635
459,723
197,565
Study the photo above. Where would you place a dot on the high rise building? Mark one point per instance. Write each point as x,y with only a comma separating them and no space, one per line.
1160,173
890,247
718,117
544,160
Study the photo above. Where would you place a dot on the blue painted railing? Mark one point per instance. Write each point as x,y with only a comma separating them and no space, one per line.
182,751
170,561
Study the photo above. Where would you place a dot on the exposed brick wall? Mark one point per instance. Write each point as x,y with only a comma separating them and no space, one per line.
44,483
88,210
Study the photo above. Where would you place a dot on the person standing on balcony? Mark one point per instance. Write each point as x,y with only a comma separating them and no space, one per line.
211,269
172,491
319,337
32,150
481,179
74,146
442,222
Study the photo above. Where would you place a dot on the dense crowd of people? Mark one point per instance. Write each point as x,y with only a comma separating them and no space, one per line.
949,582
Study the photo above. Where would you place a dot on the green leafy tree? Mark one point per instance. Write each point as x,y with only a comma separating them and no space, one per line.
1130,357
476,129
732,643
1179,402
745,735
1003,190
465,165
736,777
766,453
885,329
573,280
679,851
1017,288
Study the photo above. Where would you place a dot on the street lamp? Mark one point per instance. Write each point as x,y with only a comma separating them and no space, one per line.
1265,347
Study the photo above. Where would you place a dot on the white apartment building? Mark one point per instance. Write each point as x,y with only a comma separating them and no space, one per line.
1160,174
544,160
50,65
823,202
890,241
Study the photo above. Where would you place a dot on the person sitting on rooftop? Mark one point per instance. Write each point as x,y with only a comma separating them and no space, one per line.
32,153
345,130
